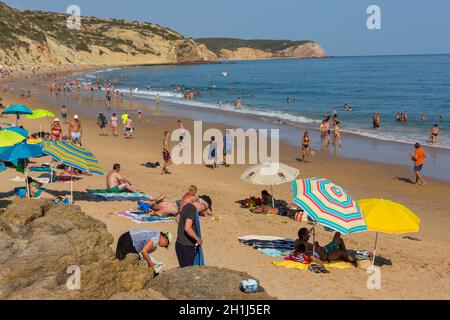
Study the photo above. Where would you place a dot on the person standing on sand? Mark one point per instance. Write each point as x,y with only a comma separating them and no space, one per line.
75,130
102,122
188,239
337,133
114,125
166,153
158,99
213,152
419,159
129,128
64,113
306,148
435,134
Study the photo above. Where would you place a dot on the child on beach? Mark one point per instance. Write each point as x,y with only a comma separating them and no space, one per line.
213,152
114,125
190,196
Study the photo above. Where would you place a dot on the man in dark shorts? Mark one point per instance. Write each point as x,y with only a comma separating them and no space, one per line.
188,239
419,159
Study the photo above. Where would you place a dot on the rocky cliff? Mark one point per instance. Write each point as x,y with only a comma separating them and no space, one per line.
39,241
43,39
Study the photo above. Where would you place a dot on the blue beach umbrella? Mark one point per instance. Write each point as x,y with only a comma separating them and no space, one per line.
18,110
22,132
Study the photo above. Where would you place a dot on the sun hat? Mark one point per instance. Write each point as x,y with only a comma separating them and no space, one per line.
169,237
75,117
56,120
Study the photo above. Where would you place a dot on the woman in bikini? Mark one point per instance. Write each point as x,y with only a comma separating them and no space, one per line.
305,146
56,130
114,125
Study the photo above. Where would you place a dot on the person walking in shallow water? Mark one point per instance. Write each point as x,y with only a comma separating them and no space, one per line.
435,134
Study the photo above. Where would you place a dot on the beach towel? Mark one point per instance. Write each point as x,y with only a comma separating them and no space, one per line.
199,259
120,196
40,169
270,246
301,266
143,217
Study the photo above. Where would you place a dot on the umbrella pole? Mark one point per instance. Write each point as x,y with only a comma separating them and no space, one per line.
17,120
27,185
375,249
71,188
314,240
273,197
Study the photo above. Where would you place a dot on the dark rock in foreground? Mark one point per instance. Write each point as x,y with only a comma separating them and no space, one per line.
40,241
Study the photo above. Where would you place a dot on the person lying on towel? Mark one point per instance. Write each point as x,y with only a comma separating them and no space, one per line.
116,183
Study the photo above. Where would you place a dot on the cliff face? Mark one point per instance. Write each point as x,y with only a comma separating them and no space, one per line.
42,39
38,39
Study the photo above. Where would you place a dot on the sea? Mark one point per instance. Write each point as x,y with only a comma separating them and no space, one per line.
303,91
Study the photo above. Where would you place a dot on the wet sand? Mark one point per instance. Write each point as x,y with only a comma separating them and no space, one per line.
420,269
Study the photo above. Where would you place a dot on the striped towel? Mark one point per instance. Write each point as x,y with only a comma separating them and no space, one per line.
143,217
120,196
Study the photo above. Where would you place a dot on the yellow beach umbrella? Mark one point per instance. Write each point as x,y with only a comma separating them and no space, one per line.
388,217
10,138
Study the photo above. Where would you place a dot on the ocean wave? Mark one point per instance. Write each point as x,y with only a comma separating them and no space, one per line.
93,74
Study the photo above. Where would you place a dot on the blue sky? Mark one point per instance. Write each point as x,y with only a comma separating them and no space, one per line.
408,26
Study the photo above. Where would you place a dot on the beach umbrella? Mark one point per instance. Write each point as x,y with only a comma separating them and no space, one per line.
270,174
18,110
40,113
18,130
74,156
19,155
388,217
329,205
9,138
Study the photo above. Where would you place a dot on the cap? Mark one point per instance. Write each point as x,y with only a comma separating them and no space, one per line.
169,237
75,116
56,120
208,201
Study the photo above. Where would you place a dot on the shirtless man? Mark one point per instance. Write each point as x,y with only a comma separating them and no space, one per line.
166,153
75,131
115,182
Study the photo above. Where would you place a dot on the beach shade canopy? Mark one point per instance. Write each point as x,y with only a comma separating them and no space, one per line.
72,155
40,113
388,217
9,138
18,110
18,130
270,174
329,205
21,151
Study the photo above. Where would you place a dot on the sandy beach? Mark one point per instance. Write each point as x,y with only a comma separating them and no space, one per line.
419,270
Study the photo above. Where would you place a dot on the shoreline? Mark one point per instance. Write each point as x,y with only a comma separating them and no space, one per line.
362,179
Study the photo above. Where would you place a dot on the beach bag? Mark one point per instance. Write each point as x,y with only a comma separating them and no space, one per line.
249,286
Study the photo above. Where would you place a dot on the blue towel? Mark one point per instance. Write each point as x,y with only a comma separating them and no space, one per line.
199,259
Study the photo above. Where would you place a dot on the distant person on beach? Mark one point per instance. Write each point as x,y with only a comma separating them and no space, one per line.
116,183
337,133
440,119
75,130
306,147
376,120
166,153
139,115
398,117
323,130
64,112
129,128
213,152
418,157
405,117
115,125
143,242
102,122
424,118
158,98
182,130
435,134
238,103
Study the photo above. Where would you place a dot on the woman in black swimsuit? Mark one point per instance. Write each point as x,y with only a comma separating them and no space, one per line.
305,146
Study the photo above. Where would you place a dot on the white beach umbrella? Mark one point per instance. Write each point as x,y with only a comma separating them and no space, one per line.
270,174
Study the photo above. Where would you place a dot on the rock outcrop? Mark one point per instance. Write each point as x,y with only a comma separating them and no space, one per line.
35,39
39,242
